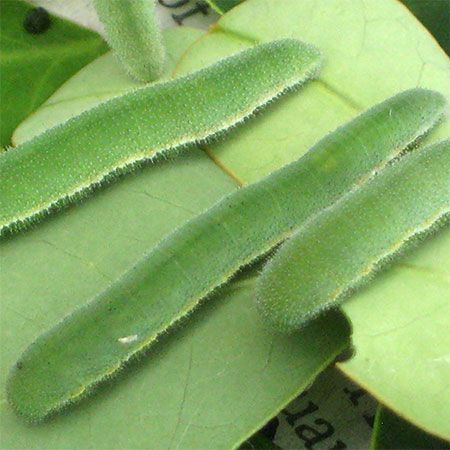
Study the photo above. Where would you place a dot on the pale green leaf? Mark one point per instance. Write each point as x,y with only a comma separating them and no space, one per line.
401,325
372,50
167,284
434,14
216,379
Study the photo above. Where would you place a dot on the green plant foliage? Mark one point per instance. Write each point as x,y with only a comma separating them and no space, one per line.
371,50
392,432
259,441
133,32
169,282
218,378
112,82
47,264
222,6
402,348
33,66
140,125
330,257
435,15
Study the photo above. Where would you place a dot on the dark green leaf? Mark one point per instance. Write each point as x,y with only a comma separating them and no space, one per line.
222,6
393,432
34,64
212,382
435,15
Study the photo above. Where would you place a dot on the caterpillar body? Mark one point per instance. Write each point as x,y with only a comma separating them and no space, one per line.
331,256
68,161
93,343
134,34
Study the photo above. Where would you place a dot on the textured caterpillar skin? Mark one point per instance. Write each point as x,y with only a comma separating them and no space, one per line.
94,342
69,160
336,252
133,33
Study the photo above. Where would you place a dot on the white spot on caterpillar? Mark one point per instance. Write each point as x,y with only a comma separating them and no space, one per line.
128,339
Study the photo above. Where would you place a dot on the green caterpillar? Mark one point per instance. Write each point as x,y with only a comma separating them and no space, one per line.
336,252
67,161
94,342
134,34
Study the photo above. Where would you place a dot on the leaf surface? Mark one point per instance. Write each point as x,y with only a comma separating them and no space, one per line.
170,280
383,51
218,378
372,50
392,432
401,326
